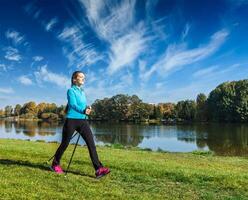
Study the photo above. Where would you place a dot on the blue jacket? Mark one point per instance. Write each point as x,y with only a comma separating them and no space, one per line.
76,103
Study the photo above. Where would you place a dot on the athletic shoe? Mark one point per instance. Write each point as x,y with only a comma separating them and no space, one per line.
102,171
57,169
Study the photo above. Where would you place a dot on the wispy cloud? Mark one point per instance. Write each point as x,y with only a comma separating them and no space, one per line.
185,31
115,24
25,80
51,24
15,37
109,20
8,90
204,72
12,54
79,53
44,75
177,56
215,71
38,58
126,49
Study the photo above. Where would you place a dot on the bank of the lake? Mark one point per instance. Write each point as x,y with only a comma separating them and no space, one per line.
136,174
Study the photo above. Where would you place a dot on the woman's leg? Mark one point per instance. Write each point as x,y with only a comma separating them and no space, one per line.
68,130
86,133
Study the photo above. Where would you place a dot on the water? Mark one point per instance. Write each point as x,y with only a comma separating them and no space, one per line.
223,139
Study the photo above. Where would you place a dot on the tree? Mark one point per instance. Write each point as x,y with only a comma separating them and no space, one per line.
29,108
119,104
201,107
8,111
40,108
2,113
229,102
100,109
168,110
49,116
134,108
50,107
17,110
186,110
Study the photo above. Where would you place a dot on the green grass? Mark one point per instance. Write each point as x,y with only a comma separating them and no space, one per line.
135,174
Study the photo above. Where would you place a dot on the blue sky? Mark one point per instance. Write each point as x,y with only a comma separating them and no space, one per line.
161,50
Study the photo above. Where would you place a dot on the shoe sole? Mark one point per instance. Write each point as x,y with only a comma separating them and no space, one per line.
102,175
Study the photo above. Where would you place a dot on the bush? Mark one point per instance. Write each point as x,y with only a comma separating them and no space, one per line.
28,116
49,116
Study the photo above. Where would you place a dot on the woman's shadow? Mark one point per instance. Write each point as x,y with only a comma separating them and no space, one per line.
41,166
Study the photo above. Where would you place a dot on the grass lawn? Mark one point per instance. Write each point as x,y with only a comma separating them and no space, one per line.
135,174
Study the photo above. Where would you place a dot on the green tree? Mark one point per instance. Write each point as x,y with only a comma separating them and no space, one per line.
8,111
168,110
40,108
186,110
201,107
49,116
100,109
229,102
29,108
17,110
119,107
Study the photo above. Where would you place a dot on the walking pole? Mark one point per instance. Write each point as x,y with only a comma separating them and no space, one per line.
54,154
72,154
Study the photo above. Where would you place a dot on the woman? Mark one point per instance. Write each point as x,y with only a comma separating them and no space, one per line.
76,119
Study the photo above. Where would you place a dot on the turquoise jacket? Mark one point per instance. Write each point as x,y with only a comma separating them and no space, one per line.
76,103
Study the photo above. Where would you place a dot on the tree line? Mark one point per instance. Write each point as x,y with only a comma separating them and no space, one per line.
228,102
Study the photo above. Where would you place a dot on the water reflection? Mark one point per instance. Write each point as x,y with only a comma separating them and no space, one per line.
125,134
223,139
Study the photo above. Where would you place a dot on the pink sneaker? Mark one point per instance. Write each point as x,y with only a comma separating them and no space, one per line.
57,169
102,171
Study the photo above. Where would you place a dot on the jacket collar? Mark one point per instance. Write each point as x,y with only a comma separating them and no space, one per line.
77,87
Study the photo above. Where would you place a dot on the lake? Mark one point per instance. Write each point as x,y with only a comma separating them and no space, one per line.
223,139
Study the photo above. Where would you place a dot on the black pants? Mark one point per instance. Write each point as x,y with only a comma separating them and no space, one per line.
82,127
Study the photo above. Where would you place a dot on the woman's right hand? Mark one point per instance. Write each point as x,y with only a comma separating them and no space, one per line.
88,110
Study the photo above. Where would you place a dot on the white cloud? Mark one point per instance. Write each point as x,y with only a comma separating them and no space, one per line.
204,72
43,75
109,20
12,54
15,36
79,53
177,56
125,50
8,90
38,58
214,71
185,31
51,24
115,23
25,80
127,79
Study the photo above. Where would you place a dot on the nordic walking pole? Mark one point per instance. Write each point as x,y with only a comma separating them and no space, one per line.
72,154
54,154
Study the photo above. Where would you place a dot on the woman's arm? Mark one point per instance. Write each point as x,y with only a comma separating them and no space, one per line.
73,103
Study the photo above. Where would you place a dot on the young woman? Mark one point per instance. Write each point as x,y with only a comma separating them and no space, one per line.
76,120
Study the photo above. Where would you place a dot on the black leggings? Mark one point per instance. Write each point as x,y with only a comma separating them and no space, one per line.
83,128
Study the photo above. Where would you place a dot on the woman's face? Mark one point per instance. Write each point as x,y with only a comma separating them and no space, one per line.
80,79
